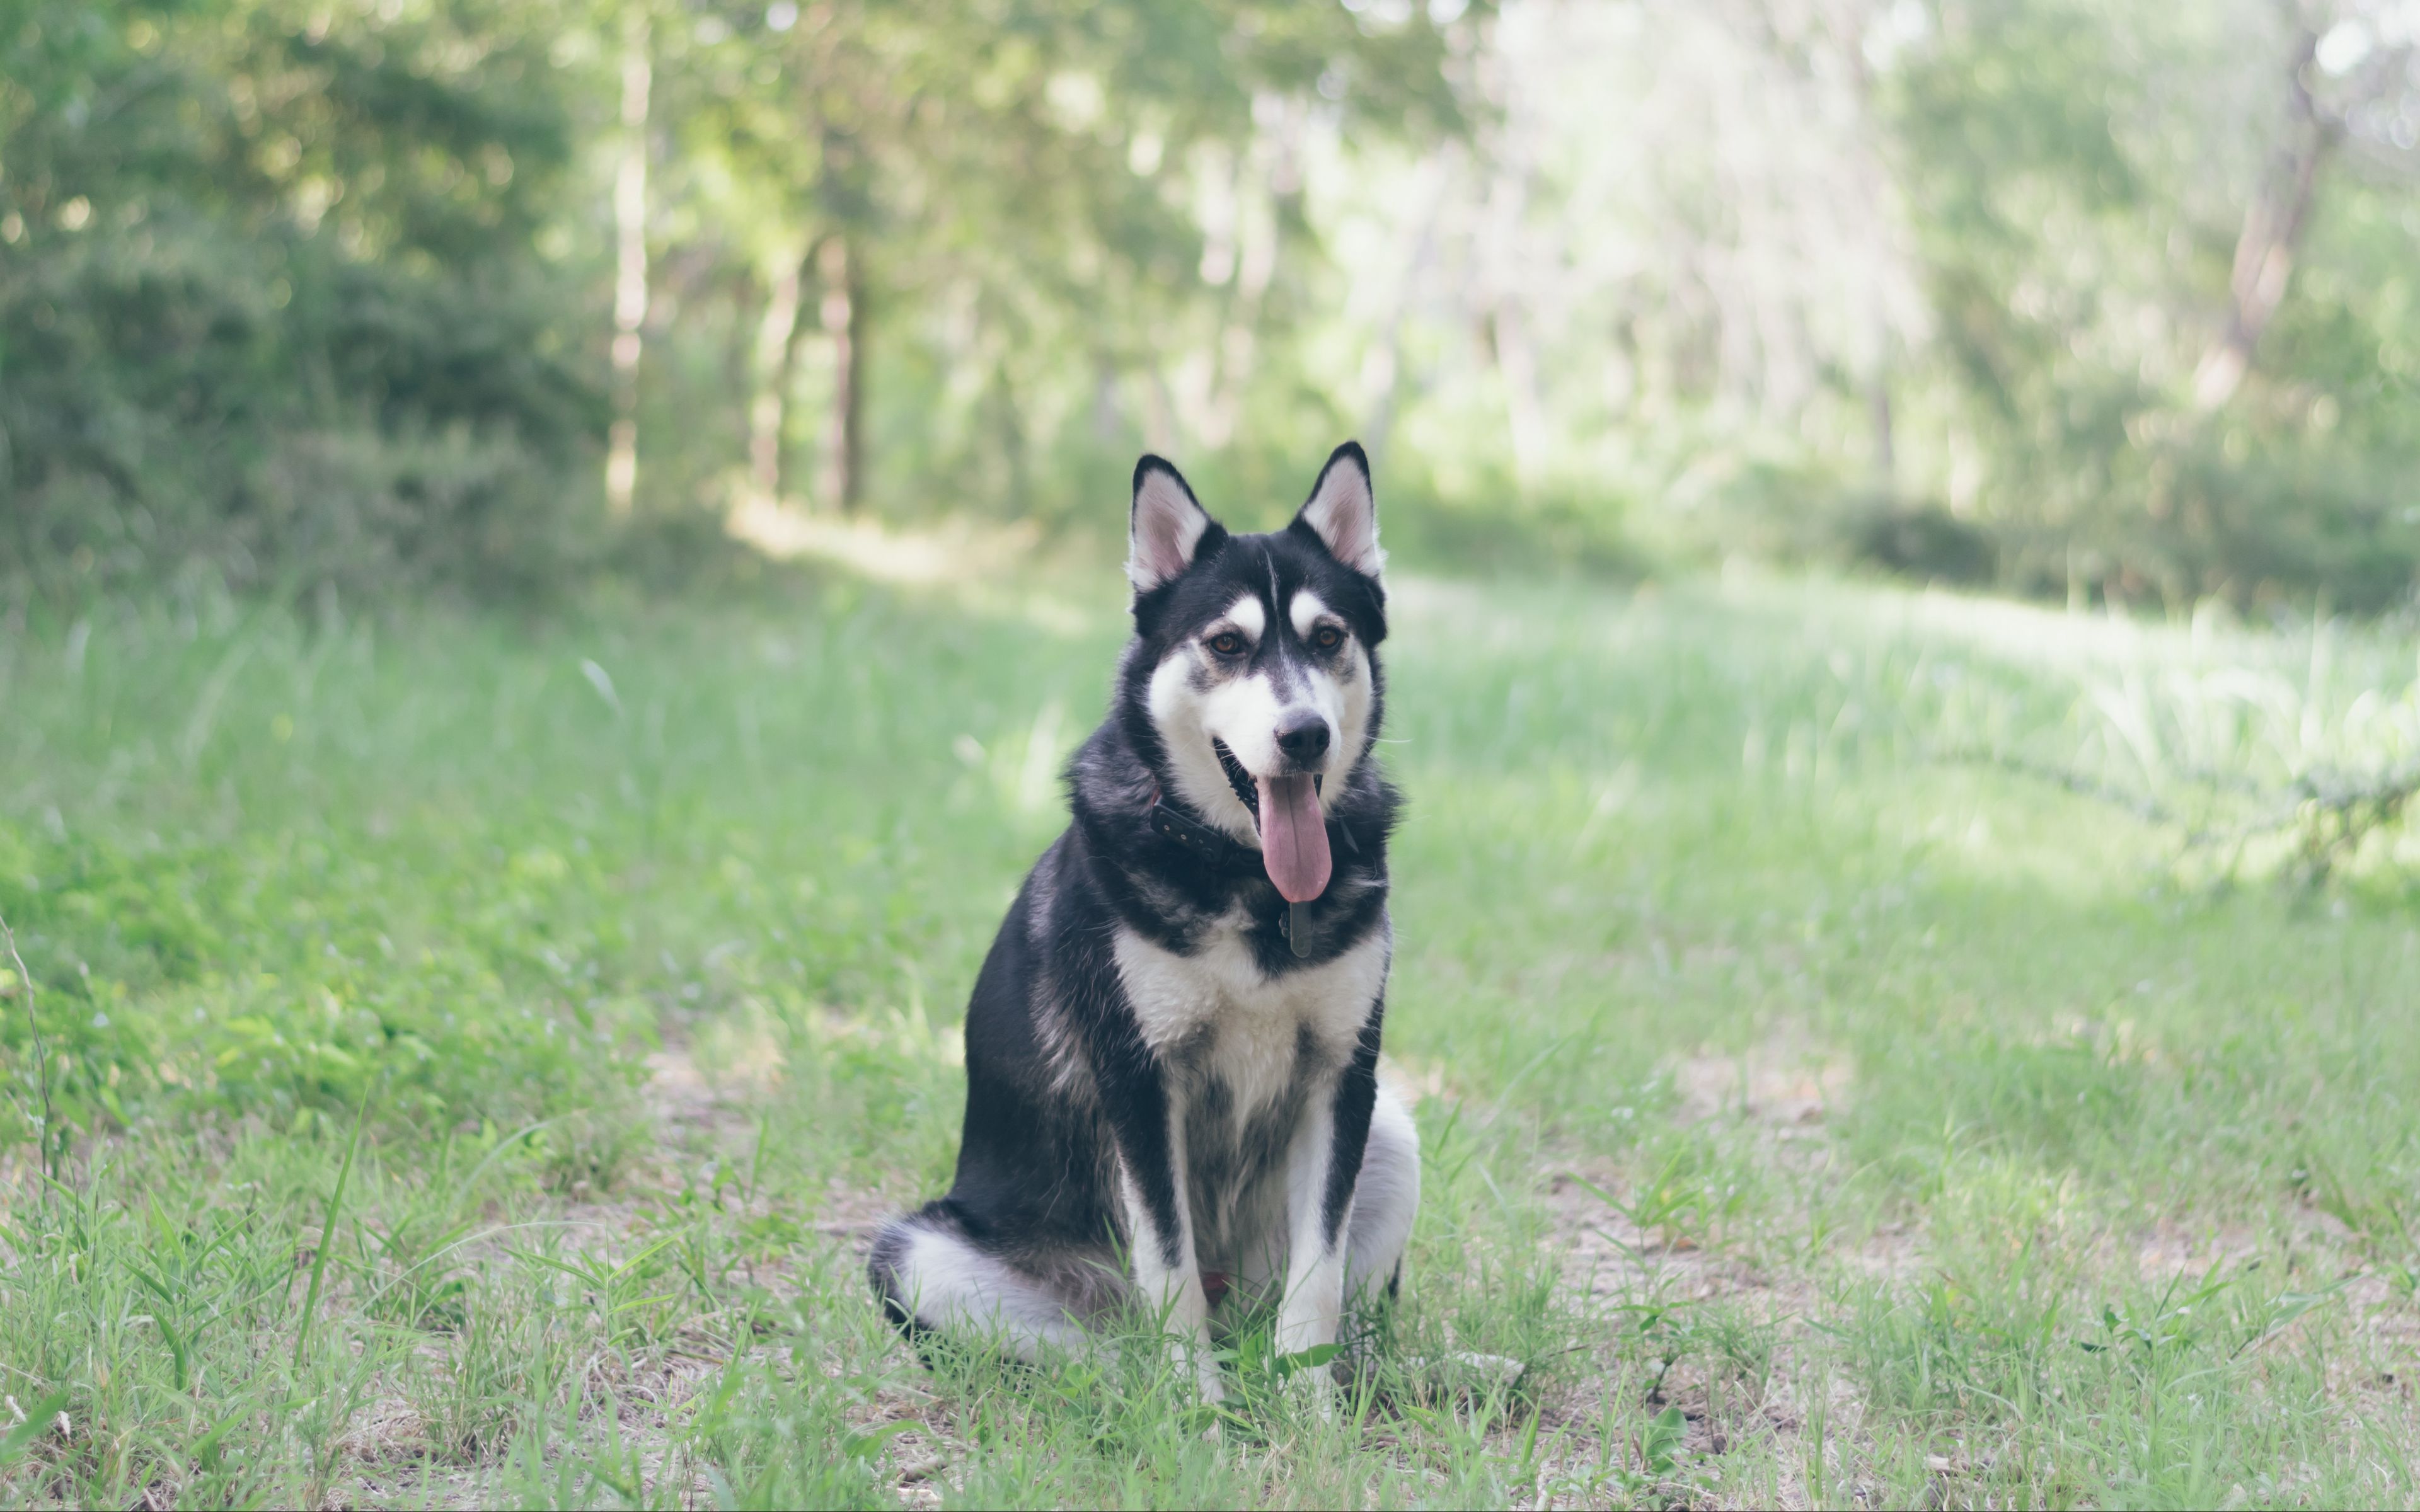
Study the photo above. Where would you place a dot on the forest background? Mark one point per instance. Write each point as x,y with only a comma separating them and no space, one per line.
484,940
2112,302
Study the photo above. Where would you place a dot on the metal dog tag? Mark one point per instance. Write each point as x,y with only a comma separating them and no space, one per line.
1298,928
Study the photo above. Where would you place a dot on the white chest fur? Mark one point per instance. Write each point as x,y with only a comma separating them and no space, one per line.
1249,1023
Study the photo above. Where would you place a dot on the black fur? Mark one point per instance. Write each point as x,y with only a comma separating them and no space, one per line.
1062,1086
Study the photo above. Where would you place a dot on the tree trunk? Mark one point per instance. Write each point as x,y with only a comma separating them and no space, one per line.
844,321
1515,352
2273,223
630,271
1872,179
776,343
1505,308
1517,359
1878,418
1382,367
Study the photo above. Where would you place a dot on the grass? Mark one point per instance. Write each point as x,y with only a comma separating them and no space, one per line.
480,1048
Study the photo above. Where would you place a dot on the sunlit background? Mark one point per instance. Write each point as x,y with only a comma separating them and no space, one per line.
2103,301
552,554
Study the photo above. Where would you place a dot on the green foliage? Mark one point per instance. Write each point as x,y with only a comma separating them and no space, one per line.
271,309
322,1008
2079,176
297,297
302,297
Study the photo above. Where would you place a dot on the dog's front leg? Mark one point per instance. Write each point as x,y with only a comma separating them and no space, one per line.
1321,1169
1152,1181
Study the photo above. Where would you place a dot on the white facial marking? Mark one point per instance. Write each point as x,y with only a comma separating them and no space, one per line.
1305,611
1188,718
1246,614
1244,711
1350,715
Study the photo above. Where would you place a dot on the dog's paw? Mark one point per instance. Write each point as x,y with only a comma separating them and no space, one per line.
1314,1392
1209,1386
1465,1372
1210,1389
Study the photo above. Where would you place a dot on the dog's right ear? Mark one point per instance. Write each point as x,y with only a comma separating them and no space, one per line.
1167,527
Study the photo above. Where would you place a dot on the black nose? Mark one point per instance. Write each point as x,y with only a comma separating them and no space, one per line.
1303,737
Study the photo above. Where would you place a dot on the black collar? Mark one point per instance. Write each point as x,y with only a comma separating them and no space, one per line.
1223,857
1204,842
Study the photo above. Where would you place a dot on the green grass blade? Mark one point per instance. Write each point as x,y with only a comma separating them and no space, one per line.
328,1233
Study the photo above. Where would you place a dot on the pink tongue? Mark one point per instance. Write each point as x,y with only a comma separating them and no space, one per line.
1294,840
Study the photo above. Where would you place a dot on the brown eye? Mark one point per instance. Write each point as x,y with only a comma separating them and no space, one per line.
1227,643
1328,638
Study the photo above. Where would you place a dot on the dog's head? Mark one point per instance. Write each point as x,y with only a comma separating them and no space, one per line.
1255,660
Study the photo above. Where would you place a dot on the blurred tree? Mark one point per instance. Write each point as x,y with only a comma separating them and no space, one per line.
2111,200
271,303
1012,171
629,253
2108,297
2372,79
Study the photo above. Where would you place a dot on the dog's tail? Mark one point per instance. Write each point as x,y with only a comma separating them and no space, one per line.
933,1272
887,1269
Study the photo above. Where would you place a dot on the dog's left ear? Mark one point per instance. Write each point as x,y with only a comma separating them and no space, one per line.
1343,513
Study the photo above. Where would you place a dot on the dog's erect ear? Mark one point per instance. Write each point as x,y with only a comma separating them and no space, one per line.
1343,513
1166,527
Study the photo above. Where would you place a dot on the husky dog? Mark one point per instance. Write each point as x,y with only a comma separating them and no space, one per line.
1172,1048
